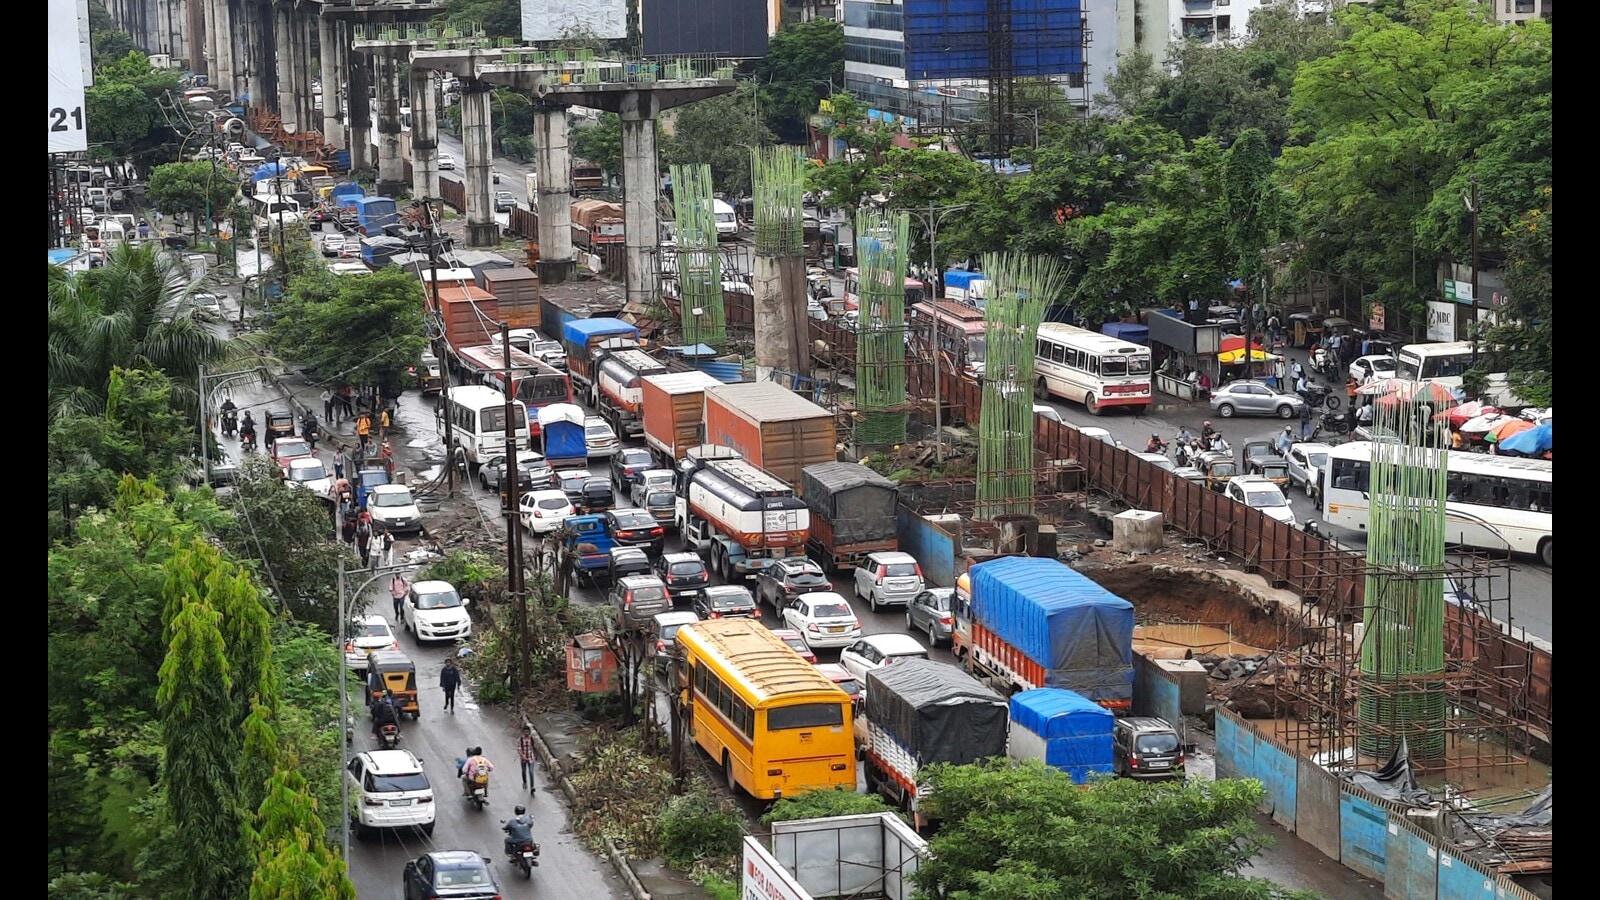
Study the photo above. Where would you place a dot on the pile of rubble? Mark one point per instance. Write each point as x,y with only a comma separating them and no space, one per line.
1247,685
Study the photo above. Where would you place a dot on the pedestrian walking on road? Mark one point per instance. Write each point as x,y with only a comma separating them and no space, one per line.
1306,428
398,587
327,405
340,461
525,757
385,421
388,548
364,541
449,680
364,431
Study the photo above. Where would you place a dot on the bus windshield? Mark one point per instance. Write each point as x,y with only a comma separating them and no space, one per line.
493,419
976,347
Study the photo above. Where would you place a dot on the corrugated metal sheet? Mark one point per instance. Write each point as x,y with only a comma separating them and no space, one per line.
763,401
723,372
579,331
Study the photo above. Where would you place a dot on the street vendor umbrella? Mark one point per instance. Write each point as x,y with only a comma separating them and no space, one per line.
1469,410
1531,441
1236,342
1502,430
1236,356
1432,392
1482,424
1382,387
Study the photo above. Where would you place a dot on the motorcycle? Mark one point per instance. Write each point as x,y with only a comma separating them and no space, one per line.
1335,423
247,443
389,736
1319,396
525,857
230,423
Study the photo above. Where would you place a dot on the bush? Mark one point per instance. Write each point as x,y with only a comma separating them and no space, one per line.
696,828
470,571
622,790
822,804
720,888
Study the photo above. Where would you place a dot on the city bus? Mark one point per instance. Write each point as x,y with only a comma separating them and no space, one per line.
953,328
1494,502
478,421
1442,362
777,726
915,290
1091,368
535,383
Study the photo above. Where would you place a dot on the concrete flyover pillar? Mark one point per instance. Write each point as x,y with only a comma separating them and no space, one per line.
391,164
553,164
224,19
302,67
332,77
476,140
780,333
641,188
283,49
253,49
359,100
424,134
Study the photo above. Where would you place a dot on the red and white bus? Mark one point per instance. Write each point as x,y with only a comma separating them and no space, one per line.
535,383
1094,369
915,290
953,328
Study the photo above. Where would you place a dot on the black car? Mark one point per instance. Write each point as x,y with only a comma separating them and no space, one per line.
626,464
725,601
571,482
636,528
684,573
596,495
533,474
450,875
785,579
627,561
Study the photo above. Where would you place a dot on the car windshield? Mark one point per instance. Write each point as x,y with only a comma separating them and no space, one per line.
598,431
635,457
849,686
659,499
1317,459
440,600
797,643
687,567
492,419
394,784
899,570
553,503
597,487
669,632
939,601
647,593
460,876
573,479
392,498
1156,743
806,577
308,473
374,629
829,610
805,715
635,520
1265,499
729,600
293,448
547,347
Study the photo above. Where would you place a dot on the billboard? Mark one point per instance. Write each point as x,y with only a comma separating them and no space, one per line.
736,29
557,20
952,38
64,84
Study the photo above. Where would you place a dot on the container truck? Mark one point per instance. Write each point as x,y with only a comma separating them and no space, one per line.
771,427
852,513
1028,623
674,406
920,713
737,515
596,223
1062,729
618,374
517,289
583,337
373,213
562,303
469,316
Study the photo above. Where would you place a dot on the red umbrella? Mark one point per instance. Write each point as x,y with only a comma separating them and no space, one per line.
1236,342
1459,415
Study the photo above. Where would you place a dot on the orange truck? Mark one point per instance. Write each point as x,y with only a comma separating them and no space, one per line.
772,427
674,405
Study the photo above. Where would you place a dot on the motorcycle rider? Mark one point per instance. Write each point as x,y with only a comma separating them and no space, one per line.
247,430
230,417
309,429
1206,431
384,713
1285,441
1218,444
1155,444
519,830
475,770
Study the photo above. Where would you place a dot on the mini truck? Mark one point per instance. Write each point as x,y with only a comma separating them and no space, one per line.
852,513
920,713
617,378
738,515
1033,623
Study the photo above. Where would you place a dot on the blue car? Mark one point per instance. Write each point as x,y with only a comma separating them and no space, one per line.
591,536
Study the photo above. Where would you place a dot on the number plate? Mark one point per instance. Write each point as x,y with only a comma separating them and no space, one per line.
1159,764
399,802
835,629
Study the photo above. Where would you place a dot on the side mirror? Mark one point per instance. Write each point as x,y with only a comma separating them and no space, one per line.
466,601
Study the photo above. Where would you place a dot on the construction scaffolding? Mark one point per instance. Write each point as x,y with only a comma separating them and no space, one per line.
778,181
703,319
1022,286
882,250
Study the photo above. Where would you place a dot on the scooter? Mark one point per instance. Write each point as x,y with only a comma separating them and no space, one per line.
389,736
230,424
247,443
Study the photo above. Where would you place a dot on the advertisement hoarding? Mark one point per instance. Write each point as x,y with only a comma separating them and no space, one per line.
736,29
559,20
64,82
1441,320
762,878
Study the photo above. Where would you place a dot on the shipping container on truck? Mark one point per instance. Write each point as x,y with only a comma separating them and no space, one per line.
674,409
561,303
619,375
772,427
582,338
517,288
1064,730
470,316
738,516
921,713
852,513
1031,623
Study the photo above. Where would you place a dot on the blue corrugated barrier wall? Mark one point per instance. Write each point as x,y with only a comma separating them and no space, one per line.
930,544
1279,773
1363,843
1411,863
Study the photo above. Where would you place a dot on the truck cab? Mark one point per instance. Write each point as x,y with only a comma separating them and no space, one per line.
592,541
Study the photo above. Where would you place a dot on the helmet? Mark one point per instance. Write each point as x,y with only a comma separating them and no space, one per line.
1155,434
1206,424
521,809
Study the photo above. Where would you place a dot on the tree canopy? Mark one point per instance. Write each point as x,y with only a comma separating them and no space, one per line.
803,66
353,330
194,189
719,132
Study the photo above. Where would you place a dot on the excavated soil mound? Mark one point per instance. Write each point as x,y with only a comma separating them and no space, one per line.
1163,594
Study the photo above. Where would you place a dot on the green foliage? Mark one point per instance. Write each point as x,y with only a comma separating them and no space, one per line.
804,62
72,817
719,888
719,132
292,860
195,189
366,330
1521,344
495,18
600,143
823,804
106,40
622,790
86,886
124,119
1253,206
471,571
1023,831
699,829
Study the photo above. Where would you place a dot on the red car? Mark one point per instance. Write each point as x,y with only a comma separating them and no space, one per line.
288,448
793,639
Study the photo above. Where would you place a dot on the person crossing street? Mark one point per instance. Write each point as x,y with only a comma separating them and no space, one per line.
525,757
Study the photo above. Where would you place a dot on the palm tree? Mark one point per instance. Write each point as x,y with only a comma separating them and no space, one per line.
138,311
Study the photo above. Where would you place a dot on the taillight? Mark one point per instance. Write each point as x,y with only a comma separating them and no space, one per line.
368,801
919,570
880,576
855,623
1133,761
424,799
716,615
395,645
661,646
655,532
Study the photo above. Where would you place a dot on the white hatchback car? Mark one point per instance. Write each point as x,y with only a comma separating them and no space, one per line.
1261,493
1306,461
888,579
368,634
388,789
1366,368
434,611
308,473
876,650
544,511
393,508
600,438
824,619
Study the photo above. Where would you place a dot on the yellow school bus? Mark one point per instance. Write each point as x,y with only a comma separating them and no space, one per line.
777,725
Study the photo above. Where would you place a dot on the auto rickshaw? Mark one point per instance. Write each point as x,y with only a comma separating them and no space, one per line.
393,671
278,424
1218,468
1271,467
1305,328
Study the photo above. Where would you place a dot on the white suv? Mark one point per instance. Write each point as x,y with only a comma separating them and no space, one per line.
888,579
388,789
434,611
393,508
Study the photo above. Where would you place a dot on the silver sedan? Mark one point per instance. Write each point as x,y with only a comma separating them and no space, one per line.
929,613
1253,398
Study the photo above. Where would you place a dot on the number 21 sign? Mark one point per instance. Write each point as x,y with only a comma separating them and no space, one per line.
66,132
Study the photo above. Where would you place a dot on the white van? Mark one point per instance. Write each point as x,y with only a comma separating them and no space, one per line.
727,221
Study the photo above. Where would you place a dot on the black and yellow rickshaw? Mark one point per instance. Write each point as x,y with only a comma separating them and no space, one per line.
279,424
1305,328
393,671
1218,468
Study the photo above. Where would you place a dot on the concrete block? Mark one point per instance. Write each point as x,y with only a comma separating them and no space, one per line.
1190,676
1137,531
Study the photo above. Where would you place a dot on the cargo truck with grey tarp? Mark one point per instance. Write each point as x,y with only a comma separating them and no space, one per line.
852,513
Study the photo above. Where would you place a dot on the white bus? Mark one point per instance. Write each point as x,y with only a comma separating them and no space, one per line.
478,422
1442,362
1094,369
1493,503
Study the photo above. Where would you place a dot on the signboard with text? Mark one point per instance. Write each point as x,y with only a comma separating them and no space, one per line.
66,132
1375,319
763,878
1458,291
1441,321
